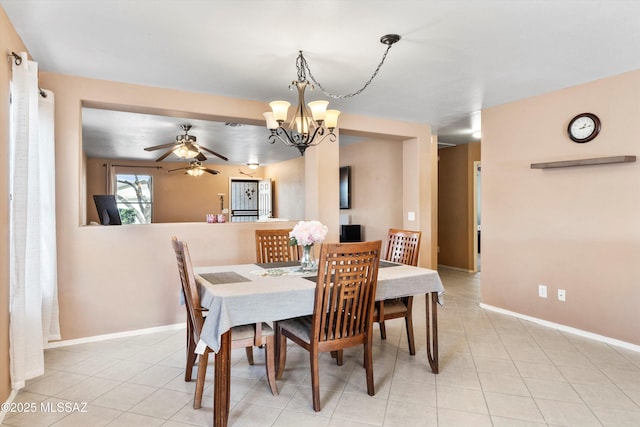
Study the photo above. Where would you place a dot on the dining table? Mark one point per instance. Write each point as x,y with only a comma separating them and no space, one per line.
252,293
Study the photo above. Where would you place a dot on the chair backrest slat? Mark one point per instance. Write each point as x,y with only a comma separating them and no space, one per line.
403,246
345,290
273,246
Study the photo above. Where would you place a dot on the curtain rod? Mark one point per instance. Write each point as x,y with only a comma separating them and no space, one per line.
135,166
17,59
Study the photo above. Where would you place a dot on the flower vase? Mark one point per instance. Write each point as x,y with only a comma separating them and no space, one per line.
307,261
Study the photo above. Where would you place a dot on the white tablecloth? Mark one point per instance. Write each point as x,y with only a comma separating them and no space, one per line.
266,298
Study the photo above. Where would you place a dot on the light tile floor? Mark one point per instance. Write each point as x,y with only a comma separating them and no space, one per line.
495,371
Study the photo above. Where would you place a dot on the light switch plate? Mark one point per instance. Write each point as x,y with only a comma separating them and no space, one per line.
411,216
542,291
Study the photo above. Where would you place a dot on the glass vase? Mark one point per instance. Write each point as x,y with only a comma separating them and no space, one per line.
307,261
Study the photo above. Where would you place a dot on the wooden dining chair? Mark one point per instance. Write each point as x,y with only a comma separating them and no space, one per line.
244,336
401,246
343,310
273,246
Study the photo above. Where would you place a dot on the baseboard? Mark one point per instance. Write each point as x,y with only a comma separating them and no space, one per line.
455,268
64,343
564,328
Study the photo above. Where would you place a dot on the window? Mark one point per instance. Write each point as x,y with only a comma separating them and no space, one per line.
133,195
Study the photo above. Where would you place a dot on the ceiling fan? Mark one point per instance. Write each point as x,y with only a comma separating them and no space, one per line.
196,168
185,147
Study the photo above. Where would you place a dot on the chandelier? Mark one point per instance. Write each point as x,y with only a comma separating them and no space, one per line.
311,123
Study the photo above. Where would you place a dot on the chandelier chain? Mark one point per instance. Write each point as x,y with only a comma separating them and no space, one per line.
302,65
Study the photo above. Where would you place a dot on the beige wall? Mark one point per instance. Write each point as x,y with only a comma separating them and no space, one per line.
178,197
9,41
456,224
577,228
376,185
115,279
288,188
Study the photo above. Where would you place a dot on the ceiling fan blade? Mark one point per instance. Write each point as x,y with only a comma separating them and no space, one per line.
211,171
201,157
177,169
158,147
213,152
164,156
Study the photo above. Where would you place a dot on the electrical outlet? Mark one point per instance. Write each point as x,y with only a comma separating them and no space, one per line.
562,295
542,291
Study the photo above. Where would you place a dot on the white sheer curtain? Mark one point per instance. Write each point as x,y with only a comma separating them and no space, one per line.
33,299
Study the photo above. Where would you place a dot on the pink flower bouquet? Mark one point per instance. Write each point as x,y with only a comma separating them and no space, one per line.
307,233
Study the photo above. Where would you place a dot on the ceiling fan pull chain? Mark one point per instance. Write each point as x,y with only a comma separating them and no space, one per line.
301,62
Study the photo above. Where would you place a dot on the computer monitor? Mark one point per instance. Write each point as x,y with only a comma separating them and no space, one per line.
107,209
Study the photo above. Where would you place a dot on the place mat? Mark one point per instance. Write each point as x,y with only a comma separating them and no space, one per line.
224,277
383,264
278,264
279,272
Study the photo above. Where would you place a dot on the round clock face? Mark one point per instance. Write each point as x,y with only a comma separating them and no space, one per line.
584,127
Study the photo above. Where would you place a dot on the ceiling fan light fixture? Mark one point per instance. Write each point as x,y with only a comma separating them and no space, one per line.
253,165
187,151
185,147
195,171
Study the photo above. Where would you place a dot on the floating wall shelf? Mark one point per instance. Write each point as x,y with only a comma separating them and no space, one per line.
584,162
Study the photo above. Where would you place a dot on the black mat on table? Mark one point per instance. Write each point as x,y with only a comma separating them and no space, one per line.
278,264
224,277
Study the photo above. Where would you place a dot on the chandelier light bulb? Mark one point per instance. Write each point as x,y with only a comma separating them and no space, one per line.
271,121
331,119
302,125
280,109
318,110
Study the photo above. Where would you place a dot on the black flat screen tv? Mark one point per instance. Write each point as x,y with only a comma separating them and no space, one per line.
345,184
107,209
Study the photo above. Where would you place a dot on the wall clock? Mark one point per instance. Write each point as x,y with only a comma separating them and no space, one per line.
584,127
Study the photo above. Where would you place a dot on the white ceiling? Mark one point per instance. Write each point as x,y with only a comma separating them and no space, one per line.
455,57
108,134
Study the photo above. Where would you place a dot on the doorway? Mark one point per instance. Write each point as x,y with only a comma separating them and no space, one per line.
251,199
244,200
